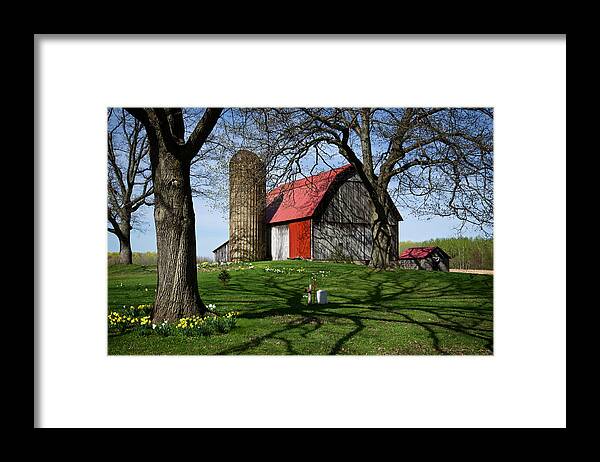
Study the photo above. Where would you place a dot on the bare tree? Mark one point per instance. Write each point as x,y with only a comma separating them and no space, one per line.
129,178
171,156
433,161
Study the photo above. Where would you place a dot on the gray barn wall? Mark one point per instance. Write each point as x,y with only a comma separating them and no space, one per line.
350,203
341,240
222,253
344,228
280,244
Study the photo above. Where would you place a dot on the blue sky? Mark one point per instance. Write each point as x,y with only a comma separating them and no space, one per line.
212,230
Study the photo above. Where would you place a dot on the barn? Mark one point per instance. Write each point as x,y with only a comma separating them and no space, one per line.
222,252
320,217
323,217
425,258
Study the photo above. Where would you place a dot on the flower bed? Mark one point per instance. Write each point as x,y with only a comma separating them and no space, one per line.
138,319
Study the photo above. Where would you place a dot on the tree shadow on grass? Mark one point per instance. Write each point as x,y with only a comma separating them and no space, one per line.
313,324
277,335
447,317
373,307
339,344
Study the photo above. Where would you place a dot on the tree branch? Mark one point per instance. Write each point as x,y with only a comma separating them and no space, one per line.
201,131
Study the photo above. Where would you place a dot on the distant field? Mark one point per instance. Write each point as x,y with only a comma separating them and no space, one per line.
400,312
144,258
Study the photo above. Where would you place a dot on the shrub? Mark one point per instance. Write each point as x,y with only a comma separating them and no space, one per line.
224,277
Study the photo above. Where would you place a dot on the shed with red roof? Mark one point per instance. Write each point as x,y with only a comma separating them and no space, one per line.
425,258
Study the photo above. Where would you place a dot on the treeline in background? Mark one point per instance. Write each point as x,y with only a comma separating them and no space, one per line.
143,258
465,253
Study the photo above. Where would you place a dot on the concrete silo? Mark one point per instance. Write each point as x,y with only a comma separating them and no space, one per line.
247,202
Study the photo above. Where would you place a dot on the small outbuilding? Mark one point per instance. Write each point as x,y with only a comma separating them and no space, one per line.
425,258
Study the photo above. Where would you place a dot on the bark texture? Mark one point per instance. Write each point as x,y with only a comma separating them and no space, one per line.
382,251
177,290
382,240
124,235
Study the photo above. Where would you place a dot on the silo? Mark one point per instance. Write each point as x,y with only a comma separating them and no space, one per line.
247,202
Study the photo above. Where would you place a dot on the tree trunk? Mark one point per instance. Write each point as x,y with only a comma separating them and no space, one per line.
382,251
382,244
170,157
177,290
125,254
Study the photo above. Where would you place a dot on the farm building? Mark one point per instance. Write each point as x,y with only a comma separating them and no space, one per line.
222,252
425,258
247,191
321,217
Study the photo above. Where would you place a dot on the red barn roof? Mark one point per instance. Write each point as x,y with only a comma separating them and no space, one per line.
299,199
418,252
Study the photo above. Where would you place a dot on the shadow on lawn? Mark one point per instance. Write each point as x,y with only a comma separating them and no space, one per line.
310,318
294,301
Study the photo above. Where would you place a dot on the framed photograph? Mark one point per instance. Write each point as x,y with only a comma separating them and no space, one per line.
276,228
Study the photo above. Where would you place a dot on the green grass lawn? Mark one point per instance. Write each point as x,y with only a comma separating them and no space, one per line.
400,312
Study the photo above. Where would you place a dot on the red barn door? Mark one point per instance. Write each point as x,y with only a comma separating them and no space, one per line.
300,239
